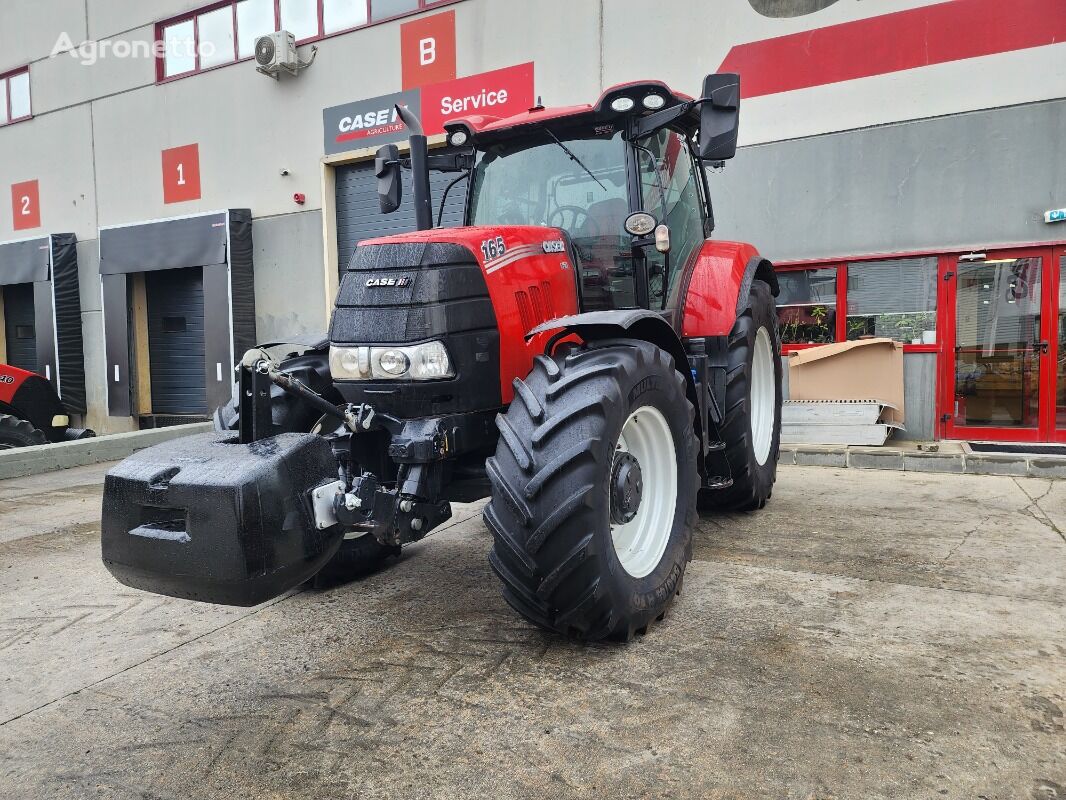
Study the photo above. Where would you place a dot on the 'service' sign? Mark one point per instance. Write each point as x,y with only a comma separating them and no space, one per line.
500,93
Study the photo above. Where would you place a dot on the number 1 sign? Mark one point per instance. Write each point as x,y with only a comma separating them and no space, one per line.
181,174
26,205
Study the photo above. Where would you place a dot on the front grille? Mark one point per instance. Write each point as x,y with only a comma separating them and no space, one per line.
395,294
418,292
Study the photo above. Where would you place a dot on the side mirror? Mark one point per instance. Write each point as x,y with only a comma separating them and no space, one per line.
390,178
719,116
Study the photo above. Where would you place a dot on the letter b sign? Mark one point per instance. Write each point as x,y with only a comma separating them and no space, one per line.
427,50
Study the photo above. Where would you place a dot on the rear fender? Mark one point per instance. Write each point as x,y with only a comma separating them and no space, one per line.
718,287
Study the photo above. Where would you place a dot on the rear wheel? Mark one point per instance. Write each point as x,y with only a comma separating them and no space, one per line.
15,432
752,427
593,490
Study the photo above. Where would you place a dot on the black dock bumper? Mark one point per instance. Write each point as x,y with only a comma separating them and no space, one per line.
205,518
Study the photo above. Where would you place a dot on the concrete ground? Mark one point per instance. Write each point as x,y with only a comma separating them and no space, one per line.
869,635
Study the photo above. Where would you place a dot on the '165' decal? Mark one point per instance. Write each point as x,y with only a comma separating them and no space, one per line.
493,248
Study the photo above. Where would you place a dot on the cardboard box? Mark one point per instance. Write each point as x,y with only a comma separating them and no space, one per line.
869,369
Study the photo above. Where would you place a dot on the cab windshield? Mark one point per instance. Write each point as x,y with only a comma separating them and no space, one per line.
535,181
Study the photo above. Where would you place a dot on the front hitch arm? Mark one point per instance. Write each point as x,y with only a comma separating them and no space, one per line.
356,418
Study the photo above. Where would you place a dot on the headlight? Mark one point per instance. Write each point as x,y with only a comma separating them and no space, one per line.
420,362
622,104
393,362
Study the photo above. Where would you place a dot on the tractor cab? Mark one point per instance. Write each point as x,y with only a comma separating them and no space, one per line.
622,178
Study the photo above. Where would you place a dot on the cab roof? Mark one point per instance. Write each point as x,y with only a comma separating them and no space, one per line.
483,127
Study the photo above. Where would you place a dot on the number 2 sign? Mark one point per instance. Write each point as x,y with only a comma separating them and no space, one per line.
26,205
181,174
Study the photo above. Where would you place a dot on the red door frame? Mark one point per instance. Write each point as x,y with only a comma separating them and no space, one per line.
1058,260
1049,281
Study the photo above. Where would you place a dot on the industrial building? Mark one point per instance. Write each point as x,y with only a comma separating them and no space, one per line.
901,164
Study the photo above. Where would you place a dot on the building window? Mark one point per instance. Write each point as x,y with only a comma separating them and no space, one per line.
179,54
300,18
385,9
342,15
254,19
893,299
807,305
224,33
215,32
15,96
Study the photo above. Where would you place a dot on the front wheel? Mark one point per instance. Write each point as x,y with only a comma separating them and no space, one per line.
752,426
594,490
356,558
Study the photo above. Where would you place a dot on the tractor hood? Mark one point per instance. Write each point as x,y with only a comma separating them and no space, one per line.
467,288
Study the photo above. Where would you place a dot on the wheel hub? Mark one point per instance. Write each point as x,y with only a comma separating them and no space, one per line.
627,488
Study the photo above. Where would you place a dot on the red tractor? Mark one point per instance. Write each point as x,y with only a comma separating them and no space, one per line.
31,411
581,353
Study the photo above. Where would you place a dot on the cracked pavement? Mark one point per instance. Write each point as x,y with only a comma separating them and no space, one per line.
870,634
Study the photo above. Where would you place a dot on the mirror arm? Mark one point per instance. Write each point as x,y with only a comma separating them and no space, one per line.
451,162
646,126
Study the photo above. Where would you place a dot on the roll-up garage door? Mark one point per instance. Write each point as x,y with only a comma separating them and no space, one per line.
359,214
19,327
176,341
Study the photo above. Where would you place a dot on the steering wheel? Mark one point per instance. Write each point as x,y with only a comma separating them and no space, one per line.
577,214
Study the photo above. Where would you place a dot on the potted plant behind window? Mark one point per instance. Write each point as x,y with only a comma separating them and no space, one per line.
820,334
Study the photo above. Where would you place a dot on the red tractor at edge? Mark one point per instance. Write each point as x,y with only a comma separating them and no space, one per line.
31,412
581,352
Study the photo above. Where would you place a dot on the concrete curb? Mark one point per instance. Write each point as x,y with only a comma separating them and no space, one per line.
1031,465
63,455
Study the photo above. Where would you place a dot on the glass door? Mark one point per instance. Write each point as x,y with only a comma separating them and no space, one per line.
1000,354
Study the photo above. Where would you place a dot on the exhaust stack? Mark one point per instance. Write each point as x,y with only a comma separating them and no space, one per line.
419,168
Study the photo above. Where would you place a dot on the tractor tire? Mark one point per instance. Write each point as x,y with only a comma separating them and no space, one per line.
15,432
752,427
594,487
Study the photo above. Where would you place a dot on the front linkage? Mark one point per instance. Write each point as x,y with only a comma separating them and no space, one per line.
395,511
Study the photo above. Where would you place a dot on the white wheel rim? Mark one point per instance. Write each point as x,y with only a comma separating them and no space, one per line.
763,396
641,542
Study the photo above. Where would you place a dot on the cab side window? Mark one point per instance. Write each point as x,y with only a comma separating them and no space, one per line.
670,187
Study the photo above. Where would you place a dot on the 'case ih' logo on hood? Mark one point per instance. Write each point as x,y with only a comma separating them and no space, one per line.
398,283
6,379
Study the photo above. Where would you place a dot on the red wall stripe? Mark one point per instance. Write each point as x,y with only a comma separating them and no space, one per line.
918,37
